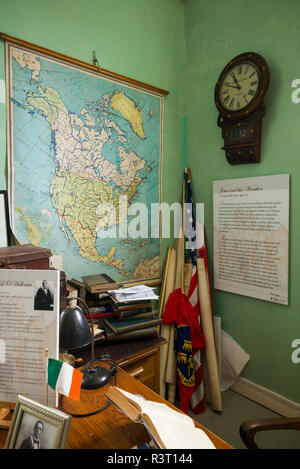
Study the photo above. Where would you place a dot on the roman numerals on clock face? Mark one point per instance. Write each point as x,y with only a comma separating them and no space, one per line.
239,86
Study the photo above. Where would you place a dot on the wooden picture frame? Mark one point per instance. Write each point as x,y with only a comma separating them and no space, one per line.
49,426
4,220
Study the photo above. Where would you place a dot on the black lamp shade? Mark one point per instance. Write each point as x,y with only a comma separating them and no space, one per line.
74,330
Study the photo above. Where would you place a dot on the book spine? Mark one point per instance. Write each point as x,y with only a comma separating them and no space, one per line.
101,309
102,315
132,327
103,288
130,305
99,312
137,316
147,333
81,287
132,312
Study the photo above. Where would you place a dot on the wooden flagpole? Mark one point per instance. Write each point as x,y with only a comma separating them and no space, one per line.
208,331
171,371
188,268
166,329
163,288
182,236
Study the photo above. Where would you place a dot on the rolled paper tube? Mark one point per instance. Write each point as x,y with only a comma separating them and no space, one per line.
171,393
170,281
166,328
188,268
163,288
171,368
164,332
208,331
171,365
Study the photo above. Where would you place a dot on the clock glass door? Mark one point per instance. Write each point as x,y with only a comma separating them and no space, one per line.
239,86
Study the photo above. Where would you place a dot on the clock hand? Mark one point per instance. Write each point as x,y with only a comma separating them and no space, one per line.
235,81
232,86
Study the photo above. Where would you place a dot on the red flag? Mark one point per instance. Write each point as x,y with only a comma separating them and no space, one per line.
189,339
184,311
198,397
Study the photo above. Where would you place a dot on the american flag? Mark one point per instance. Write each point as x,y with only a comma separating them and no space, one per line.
197,401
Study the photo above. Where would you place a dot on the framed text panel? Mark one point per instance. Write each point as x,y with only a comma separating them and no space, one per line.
251,236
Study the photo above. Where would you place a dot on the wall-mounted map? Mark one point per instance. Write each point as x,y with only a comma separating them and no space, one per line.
77,141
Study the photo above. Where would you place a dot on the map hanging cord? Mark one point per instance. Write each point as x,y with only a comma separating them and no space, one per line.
95,60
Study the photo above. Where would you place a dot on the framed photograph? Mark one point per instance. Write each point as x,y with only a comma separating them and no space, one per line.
36,426
4,220
43,295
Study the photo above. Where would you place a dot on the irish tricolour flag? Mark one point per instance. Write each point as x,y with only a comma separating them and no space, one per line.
64,378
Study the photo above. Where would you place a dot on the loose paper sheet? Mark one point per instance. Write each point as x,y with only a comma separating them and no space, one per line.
251,228
234,360
25,334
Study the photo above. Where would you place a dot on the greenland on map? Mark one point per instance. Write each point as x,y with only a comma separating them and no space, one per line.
77,141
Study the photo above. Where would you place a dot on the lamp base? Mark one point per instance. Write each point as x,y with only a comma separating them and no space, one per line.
95,377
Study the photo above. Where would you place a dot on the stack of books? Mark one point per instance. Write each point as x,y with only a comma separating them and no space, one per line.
99,304
117,330
99,283
127,309
123,313
135,318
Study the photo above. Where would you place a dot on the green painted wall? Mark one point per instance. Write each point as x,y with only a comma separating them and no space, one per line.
182,47
216,32
140,39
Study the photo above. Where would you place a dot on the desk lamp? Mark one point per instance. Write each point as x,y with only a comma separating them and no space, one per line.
75,333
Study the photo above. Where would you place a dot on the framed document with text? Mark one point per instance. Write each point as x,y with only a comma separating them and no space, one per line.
29,318
251,236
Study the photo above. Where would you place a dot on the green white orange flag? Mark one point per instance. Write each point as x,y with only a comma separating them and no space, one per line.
64,378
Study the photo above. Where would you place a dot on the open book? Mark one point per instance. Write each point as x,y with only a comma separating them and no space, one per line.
169,428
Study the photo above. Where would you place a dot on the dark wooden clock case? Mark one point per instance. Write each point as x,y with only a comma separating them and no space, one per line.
247,147
241,130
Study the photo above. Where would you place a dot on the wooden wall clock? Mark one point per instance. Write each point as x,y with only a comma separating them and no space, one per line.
239,95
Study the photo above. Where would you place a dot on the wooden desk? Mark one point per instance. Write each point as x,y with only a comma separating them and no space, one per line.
110,429
140,358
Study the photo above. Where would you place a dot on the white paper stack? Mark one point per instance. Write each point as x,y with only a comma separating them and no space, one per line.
139,292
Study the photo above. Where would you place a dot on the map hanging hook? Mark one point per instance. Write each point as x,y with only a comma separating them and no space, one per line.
95,60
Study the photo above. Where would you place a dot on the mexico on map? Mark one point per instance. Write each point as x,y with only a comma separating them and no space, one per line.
78,142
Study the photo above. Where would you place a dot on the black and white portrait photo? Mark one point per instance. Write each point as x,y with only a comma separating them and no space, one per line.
35,433
37,426
43,298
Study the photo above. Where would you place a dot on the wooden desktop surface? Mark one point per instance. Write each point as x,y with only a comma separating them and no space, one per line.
120,351
111,429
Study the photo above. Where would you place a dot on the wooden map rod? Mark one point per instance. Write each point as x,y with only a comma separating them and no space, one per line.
81,64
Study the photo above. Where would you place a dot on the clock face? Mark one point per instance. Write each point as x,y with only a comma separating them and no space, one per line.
239,86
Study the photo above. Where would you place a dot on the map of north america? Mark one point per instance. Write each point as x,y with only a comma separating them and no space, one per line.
78,143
